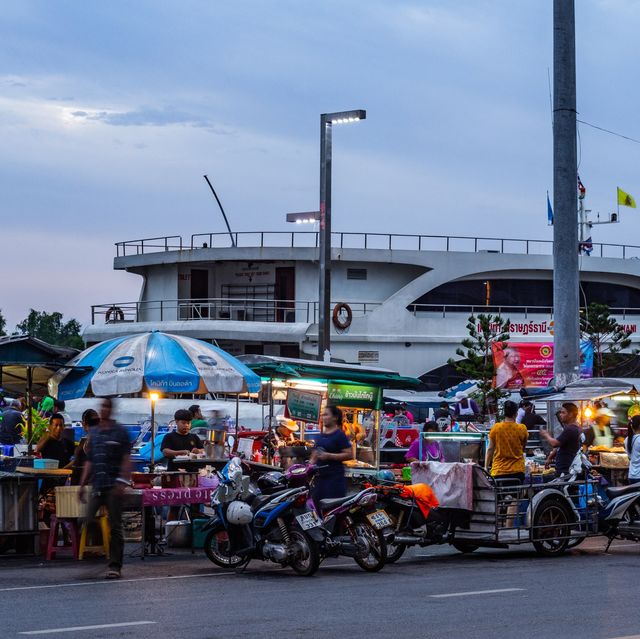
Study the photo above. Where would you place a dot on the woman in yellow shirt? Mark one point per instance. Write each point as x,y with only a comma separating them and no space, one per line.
505,452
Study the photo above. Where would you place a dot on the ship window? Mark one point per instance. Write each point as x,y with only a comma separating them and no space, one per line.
356,273
512,294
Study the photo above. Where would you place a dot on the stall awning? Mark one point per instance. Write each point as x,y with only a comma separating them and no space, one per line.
22,352
590,390
276,367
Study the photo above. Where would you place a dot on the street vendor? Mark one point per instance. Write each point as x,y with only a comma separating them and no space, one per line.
431,451
599,433
567,444
332,448
283,435
11,422
181,442
52,445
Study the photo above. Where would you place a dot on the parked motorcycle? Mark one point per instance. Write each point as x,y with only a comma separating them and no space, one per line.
278,527
353,526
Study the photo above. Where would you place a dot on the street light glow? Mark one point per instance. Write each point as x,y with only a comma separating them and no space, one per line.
344,117
154,397
306,217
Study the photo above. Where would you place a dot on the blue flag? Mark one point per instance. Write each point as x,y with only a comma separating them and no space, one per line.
549,211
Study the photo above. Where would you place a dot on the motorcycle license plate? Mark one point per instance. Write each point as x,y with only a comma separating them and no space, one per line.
379,519
308,520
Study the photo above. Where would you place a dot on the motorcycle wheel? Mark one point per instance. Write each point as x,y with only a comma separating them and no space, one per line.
216,547
551,528
464,546
377,556
394,552
307,560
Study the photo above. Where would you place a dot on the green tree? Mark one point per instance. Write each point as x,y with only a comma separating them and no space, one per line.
608,337
3,323
485,332
51,328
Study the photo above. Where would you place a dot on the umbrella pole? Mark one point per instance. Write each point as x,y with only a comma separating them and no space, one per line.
29,409
237,413
153,435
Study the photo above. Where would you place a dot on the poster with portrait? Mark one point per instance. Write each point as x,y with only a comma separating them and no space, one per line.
530,364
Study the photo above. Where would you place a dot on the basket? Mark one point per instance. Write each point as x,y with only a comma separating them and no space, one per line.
67,503
45,463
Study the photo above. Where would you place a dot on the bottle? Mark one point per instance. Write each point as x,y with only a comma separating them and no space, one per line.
276,458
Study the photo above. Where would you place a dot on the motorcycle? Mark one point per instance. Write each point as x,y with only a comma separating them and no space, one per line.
278,527
352,526
410,526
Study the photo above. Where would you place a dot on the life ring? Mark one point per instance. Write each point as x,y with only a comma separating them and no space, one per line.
342,324
115,313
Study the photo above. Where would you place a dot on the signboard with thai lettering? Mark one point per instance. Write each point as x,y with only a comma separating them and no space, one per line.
304,405
355,395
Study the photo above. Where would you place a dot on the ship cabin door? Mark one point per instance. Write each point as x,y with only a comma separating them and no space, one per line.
285,294
199,293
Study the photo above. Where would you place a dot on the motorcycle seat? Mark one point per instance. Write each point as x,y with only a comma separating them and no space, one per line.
261,500
623,490
328,504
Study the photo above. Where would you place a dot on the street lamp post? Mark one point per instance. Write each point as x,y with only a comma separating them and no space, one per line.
327,120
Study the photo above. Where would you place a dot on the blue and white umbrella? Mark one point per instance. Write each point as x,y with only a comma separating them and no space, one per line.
153,362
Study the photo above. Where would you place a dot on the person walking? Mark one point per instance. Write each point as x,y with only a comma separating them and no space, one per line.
505,452
566,445
108,469
633,449
332,448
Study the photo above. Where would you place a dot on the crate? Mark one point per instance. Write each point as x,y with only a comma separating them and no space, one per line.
67,503
45,463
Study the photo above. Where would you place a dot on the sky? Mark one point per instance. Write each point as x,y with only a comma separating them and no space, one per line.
111,112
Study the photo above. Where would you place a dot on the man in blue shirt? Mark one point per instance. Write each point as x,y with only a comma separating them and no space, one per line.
108,468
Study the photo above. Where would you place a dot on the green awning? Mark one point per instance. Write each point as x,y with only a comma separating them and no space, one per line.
285,368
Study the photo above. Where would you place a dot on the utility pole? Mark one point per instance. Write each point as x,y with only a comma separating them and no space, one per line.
566,309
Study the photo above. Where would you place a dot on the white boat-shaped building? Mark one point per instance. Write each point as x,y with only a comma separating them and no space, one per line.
409,295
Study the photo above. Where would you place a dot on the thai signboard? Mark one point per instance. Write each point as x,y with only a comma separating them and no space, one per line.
304,406
355,395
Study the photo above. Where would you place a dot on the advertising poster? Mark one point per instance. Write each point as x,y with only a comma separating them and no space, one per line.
531,364
354,395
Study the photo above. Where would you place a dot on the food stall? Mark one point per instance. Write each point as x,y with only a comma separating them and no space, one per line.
306,386
593,397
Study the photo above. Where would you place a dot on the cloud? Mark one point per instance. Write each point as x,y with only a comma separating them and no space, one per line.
149,116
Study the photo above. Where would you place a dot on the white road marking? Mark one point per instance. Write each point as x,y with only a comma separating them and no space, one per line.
77,628
628,637
114,581
476,592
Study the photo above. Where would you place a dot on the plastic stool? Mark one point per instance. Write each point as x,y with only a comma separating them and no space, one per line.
57,526
105,529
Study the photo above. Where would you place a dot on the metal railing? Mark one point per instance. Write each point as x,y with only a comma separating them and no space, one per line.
243,310
524,312
387,241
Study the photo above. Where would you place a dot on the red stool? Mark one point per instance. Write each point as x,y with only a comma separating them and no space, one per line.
58,526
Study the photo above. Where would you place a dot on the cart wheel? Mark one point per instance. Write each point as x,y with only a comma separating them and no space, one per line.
464,546
551,528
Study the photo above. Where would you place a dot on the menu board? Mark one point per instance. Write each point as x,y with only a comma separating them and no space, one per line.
304,406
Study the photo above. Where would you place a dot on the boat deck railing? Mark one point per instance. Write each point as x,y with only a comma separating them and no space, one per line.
386,241
524,319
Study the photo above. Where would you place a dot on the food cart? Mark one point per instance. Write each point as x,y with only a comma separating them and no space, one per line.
306,386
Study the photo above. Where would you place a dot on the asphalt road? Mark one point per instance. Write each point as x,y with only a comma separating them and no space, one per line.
431,593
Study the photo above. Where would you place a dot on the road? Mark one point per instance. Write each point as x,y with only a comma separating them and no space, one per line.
431,593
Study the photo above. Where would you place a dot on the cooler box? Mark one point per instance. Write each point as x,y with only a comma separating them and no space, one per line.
45,463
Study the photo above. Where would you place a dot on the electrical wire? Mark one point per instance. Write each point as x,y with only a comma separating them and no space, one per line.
624,137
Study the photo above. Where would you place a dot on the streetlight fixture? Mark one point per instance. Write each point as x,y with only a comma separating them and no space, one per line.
327,120
154,397
305,217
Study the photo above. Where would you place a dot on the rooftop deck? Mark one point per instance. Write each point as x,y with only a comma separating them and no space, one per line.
385,241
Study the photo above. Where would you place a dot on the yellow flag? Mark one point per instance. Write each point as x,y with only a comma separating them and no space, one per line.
624,199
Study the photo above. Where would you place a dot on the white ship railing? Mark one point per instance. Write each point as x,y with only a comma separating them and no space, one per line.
386,241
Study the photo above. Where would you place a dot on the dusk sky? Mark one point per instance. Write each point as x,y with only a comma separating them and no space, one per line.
111,112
